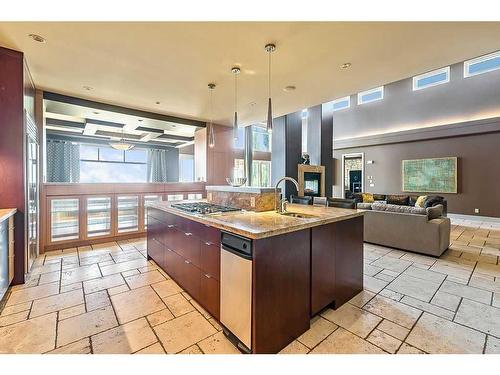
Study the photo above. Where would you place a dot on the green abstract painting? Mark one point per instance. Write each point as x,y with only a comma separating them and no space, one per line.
438,175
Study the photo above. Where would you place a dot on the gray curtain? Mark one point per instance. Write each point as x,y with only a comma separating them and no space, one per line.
63,161
157,165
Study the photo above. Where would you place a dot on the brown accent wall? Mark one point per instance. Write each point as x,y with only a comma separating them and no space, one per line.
478,169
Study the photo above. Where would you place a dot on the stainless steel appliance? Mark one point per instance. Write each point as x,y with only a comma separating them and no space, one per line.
203,208
236,290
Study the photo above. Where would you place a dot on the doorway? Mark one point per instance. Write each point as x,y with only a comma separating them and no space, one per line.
352,174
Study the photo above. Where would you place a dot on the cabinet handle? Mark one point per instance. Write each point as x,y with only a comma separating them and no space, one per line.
187,262
208,243
188,234
208,276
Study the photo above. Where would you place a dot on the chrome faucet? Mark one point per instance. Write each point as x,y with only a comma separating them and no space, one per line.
281,206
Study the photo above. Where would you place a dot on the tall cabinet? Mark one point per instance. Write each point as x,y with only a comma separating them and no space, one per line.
19,157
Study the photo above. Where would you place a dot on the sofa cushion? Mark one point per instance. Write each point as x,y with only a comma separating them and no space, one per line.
368,198
412,199
398,208
364,206
379,197
358,197
420,201
434,212
432,200
401,200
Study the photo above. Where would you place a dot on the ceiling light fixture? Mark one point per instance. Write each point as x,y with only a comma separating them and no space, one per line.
37,38
121,145
157,102
289,88
235,70
345,65
270,48
211,135
88,88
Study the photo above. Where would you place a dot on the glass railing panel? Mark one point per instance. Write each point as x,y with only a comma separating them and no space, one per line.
149,199
128,213
64,219
98,216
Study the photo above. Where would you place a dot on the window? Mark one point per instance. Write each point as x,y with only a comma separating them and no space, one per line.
261,173
175,197
186,168
261,139
429,79
482,64
239,168
240,142
195,196
372,95
64,219
342,103
105,164
304,135
98,216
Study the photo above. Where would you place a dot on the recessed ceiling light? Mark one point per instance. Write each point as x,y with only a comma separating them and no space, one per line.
37,38
95,113
345,65
289,88
157,102
140,120
252,104
88,88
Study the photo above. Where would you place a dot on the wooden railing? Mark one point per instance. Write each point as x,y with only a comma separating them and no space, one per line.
83,214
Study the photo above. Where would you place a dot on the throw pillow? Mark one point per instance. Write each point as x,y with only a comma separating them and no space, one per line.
379,197
412,200
432,200
401,200
421,201
358,197
434,212
368,198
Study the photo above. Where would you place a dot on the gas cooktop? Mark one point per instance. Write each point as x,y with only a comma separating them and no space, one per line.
203,208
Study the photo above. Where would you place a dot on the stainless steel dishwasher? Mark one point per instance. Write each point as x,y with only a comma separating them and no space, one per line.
236,290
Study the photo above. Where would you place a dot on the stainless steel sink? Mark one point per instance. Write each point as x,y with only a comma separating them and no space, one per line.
298,215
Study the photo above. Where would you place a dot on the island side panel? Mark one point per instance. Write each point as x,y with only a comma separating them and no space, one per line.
348,259
336,263
281,290
322,266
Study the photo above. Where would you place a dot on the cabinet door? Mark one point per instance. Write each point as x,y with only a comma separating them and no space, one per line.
188,246
156,251
210,259
11,249
210,294
322,267
190,279
173,264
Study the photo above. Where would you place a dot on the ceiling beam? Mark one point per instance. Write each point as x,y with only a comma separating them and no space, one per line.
60,135
119,109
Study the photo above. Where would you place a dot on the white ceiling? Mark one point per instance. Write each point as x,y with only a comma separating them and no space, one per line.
135,64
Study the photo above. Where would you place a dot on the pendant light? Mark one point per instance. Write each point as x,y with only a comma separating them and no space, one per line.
211,134
121,145
235,70
270,48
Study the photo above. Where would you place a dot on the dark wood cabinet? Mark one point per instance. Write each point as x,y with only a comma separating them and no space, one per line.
189,252
210,258
336,263
210,294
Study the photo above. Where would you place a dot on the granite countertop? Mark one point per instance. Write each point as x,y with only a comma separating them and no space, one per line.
241,189
257,225
5,213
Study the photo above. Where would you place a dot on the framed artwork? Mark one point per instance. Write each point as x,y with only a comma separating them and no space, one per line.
436,175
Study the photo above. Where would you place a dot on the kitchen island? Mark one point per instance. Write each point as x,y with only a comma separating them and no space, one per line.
292,266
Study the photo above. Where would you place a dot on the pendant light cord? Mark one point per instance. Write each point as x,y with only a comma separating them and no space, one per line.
269,74
236,92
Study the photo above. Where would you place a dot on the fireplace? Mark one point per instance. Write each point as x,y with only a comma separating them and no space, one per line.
311,180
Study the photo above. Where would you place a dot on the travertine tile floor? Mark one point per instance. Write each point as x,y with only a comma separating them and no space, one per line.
109,299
